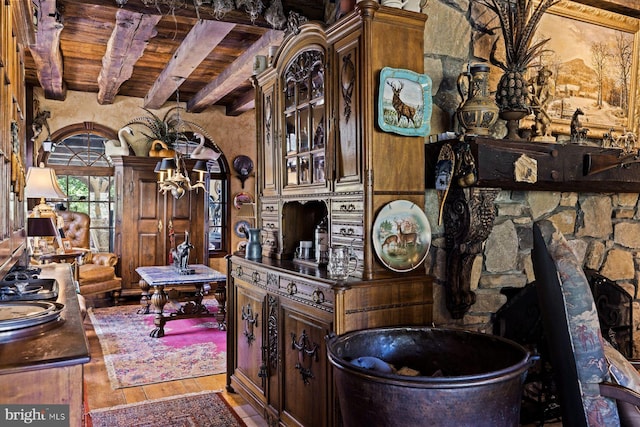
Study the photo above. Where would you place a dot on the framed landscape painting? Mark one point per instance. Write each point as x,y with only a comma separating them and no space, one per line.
593,56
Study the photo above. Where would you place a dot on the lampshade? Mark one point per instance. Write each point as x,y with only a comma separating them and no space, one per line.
39,227
168,164
201,166
158,166
43,183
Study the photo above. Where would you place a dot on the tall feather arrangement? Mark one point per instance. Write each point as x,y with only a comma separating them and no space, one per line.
519,20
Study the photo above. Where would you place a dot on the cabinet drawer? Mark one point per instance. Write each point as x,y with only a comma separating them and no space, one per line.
269,241
314,295
269,224
269,208
347,230
249,274
342,207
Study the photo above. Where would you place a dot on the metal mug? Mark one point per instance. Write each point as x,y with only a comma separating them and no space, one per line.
304,250
340,262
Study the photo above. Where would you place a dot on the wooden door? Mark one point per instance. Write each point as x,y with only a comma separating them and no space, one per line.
306,377
348,138
140,212
250,367
266,117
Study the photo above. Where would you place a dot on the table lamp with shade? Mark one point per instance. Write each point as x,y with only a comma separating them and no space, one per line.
42,184
39,227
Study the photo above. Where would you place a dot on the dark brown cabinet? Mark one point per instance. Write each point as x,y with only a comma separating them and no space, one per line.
143,217
321,157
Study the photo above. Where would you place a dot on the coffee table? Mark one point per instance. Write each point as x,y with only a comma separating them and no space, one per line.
162,276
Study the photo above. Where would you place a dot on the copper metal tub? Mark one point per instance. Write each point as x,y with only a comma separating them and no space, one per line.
480,384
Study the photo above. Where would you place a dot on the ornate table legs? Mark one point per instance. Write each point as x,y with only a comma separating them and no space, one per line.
221,296
192,308
158,299
145,299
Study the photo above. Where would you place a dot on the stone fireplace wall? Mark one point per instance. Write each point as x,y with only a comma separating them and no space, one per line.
603,229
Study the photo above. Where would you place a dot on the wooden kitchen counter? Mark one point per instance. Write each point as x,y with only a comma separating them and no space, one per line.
47,368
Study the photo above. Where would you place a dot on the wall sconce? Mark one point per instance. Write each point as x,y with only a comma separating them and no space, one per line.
47,145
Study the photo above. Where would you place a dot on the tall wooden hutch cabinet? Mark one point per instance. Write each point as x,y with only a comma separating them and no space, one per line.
142,219
322,158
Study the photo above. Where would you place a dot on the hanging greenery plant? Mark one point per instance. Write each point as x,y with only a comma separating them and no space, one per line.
169,129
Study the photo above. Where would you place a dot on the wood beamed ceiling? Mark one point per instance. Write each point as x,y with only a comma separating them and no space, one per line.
150,52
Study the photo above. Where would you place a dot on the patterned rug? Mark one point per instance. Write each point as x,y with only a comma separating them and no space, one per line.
203,409
190,348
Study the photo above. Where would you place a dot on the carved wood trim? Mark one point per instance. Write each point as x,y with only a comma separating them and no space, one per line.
468,221
347,84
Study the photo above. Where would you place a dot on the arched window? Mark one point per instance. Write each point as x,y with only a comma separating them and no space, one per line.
86,176
218,198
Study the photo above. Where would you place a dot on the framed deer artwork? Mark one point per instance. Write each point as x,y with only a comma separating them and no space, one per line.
404,102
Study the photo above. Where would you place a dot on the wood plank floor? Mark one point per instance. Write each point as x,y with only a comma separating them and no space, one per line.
99,394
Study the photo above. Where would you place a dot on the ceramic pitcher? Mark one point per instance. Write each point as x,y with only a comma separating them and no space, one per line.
254,248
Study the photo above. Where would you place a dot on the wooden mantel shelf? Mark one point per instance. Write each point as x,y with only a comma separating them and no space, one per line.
560,167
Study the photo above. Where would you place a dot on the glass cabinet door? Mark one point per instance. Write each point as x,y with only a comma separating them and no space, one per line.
304,120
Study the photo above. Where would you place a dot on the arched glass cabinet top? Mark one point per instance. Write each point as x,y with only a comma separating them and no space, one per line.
305,119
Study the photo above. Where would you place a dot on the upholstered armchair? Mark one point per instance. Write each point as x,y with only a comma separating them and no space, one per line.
96,274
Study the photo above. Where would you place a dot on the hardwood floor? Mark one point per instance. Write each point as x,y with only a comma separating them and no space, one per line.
99,394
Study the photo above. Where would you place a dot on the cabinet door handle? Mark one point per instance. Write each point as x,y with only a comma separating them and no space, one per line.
347,231
348,208
292,289
160,226
256,277
318,296
250,321
307,354
239,271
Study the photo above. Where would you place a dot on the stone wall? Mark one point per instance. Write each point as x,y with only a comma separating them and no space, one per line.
603,229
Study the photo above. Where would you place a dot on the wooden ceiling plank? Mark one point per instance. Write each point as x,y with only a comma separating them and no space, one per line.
126,45
46,50
234,75
196,46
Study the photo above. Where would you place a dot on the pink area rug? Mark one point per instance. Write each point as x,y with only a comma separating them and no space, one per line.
190,348
203,409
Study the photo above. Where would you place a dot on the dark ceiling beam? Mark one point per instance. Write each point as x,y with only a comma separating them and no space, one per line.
46,50
234,75
241,104
186,9
126,45
203,37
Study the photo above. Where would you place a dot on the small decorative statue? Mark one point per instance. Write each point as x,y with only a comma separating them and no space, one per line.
578,133
181,256
541,89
